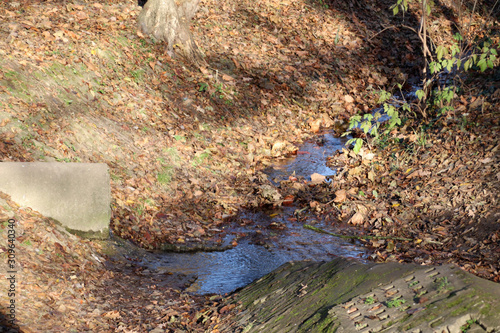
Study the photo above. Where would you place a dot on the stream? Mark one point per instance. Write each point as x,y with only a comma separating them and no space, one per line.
255,256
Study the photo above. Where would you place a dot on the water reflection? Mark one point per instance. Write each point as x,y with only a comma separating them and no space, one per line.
310,159
224,272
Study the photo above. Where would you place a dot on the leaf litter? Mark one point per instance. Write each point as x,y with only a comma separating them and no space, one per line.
187,147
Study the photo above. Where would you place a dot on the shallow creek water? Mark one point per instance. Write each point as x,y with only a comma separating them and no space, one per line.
225,271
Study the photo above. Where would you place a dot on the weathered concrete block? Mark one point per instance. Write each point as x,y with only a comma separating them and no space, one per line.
77,195
348,296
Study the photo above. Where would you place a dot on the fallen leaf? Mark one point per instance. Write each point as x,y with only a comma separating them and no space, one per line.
348,99
4,122
288,200
112,314
356,219
418,173
316,178
340,196
315,125
371,176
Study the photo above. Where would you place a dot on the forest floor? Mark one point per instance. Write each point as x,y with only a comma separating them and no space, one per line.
187,145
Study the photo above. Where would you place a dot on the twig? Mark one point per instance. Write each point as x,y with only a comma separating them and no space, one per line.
393,27
381,31
334,206
298,211
307,226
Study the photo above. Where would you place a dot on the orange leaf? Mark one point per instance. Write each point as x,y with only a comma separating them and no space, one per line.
288,201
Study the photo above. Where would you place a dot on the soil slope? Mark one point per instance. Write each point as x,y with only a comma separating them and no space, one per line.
186,145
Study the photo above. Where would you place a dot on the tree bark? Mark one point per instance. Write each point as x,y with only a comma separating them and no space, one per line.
169,21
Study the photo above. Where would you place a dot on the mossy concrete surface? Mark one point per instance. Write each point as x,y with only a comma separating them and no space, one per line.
77,195
346,296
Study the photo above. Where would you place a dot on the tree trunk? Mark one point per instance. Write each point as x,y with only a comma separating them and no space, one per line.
168,21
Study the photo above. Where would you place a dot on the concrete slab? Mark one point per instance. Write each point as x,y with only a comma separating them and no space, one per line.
352,297
77,195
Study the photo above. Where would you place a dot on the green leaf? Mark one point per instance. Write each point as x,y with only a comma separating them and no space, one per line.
374,130
482,65
390,110
467,64
366,126
489,63
203,87
420,94
435,67
449,65
440,51
358,145
383,96
179,137
354,121
458,37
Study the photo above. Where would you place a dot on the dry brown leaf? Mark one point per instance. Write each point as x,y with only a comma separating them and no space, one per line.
371,176
317,178
340,196
357,219
4,122
279,146
112,314
418,173
353,190
355,171
348,99
315,125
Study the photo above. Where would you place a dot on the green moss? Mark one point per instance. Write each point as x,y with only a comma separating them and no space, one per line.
455,302
460,310
437,323
430,317
485,310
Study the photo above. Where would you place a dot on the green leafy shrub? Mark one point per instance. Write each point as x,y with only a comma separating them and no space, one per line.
370,124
